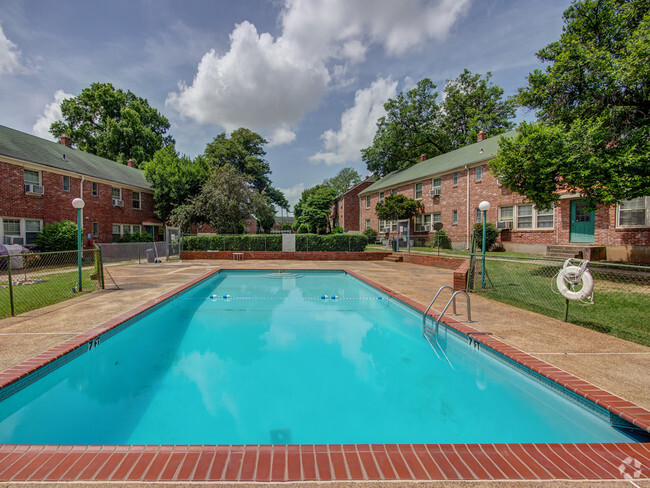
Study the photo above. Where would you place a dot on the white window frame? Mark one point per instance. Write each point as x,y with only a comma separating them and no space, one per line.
119,193
134,193
381,197
368,224
454,217
478,173
438,181
66,179
418,192
646,223
367,201
388,226
534,217
455,178
22,228
40,177
423,220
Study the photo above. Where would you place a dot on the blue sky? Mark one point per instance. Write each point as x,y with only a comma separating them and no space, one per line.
311,76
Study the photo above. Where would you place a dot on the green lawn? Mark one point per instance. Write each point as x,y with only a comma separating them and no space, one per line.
450,252
55,287
620,306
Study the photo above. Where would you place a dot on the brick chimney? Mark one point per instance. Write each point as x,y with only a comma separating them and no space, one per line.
481,136
423,157
65,140
130,163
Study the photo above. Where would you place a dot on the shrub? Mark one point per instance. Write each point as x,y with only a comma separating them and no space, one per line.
441,239
304,242
303,229
491,235
371,234
59,236
337,230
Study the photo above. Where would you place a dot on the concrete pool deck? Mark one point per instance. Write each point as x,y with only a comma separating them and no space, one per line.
617,366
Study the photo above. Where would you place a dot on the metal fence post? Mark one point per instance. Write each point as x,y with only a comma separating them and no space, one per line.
101,267
11,287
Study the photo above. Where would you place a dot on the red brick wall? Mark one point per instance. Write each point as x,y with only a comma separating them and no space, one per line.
56,204
455,198
346,209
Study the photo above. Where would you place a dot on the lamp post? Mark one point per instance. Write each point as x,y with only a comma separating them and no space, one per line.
78,203
484,206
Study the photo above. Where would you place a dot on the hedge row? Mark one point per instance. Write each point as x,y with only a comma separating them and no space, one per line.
304,242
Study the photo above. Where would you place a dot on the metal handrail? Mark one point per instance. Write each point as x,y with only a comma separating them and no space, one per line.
452,300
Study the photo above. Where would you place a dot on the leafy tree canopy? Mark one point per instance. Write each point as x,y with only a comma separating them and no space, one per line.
593,105
113,124
314,208
398,207
244,151
175,178
343,180
415,123
225,200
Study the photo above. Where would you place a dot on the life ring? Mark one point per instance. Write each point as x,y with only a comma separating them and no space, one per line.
575,275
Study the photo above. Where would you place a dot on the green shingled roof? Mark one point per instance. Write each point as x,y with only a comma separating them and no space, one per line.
440,164
29,148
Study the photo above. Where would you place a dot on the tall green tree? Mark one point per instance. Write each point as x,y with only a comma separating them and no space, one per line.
113,124
244,151
314,208
473,104
175,178
225,200
593,106
415,123
412,126
343,180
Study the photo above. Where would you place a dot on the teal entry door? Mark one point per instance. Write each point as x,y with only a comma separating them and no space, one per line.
583,223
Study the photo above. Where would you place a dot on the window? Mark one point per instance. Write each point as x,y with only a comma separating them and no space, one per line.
381,197
633,213
455,177
478,173
454,217
437,182
368,201
66,183
545,219
423,223
95,188
393,192
387,226
95,229
11,227
525,216
478,217
136,200
117,232
437,217
32,177
367,223
507,213
418,191
116,193
32,229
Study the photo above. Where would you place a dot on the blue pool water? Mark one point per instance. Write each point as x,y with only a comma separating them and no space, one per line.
276,363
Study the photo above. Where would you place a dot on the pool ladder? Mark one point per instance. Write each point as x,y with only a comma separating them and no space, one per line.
427,331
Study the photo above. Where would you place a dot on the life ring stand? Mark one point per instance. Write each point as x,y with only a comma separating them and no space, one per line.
570,277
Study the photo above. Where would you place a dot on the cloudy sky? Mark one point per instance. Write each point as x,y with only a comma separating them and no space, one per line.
311,76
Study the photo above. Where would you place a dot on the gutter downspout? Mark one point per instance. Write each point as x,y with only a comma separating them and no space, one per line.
467,236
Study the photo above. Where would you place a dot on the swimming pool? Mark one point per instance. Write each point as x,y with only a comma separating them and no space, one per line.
291,358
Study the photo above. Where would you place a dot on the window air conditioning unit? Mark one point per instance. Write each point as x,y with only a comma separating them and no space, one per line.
117,202
34,189
14,240
434,192
501,224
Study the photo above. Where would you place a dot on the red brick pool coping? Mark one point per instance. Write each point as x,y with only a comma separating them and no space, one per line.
274,463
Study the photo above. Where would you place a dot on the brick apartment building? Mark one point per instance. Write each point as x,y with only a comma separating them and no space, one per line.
452,185
40,179
345,208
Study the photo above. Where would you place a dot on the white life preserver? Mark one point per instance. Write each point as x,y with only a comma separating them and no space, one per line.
574,275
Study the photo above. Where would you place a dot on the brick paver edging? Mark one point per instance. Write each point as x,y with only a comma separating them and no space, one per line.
268,463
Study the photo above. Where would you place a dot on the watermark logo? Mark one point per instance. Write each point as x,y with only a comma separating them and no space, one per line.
630,468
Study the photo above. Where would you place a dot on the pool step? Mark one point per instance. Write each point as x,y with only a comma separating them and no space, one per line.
394,258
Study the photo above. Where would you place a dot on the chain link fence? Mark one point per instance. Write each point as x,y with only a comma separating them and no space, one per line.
141,252
621,293
34,280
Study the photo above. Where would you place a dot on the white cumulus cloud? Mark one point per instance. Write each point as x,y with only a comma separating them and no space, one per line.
358,124
293,194
9,55
268,84
51,113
